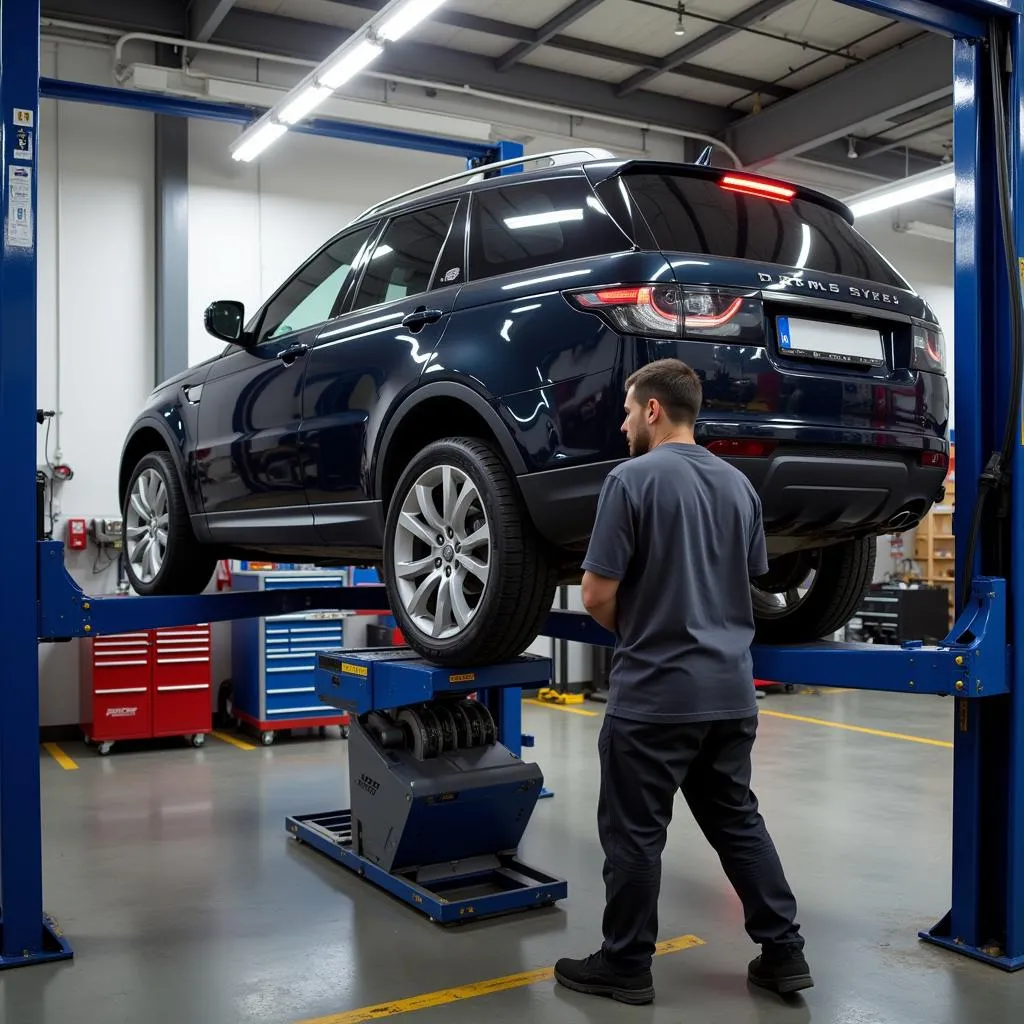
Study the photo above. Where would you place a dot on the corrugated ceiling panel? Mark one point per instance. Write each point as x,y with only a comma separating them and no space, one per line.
636,27
690,89
519,12
577,64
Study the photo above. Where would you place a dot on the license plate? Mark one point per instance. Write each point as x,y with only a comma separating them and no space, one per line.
833,343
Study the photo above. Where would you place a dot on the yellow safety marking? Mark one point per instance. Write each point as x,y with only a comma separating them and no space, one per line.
60,757
473,990
551,696
859,728
234,741
559,707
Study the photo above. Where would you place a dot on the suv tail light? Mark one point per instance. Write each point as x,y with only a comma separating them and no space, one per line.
929,349
666,310
742,448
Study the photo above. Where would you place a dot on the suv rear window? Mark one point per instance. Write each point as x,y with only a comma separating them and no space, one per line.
537,223
687,213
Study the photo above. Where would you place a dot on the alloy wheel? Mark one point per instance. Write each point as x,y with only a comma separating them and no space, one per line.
146,521
442,552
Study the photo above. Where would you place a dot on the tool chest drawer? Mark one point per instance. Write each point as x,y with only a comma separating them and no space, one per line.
146,684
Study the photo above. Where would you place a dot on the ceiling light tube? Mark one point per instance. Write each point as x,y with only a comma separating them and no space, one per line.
907,190
253,146
407,17
306,101
348,65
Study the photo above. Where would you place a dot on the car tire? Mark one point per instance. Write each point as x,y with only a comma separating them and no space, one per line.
184,566
842,573
495,593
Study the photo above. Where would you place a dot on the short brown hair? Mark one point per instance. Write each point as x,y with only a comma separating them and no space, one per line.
674,385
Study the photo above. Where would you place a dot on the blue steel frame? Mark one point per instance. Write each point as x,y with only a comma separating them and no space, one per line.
986,920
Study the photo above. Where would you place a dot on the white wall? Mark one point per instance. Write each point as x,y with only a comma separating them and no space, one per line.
95,296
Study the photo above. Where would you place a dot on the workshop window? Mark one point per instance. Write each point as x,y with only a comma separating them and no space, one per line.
402,263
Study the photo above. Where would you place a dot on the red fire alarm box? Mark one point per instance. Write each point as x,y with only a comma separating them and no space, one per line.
78,539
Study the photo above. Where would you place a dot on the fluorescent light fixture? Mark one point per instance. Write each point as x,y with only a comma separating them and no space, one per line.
348,65
306,101
407,17
907,190
255,145
925,230
536,220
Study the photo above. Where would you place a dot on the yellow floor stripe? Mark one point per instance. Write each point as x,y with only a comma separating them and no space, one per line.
560,707
60,757
473,990
860,728
233,740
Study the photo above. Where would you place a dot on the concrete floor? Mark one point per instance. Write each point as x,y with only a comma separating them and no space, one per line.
170,871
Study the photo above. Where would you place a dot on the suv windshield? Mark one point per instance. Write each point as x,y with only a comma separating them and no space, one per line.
688,213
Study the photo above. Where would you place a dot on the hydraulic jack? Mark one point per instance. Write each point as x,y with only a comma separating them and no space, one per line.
439,803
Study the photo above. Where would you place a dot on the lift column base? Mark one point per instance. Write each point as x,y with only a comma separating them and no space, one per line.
479,888
53,947
942,935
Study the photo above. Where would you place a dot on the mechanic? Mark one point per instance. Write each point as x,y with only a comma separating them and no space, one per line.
677,538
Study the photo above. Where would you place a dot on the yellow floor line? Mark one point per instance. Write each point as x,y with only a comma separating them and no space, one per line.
472,991
60,757
560,707
860,729
233,740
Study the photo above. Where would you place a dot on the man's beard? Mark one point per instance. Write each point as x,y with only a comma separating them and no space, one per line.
641,444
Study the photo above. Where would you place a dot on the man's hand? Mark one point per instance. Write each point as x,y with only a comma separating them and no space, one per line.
599,597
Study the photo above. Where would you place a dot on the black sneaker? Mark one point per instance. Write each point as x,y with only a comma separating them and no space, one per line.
594,977
783,971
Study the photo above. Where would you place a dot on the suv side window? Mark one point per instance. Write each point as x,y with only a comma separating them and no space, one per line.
311,297
537,223
402,262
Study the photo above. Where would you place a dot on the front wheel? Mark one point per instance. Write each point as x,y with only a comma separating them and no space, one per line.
809,595
466,573
162,555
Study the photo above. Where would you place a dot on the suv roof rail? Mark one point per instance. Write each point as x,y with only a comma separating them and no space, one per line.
556,156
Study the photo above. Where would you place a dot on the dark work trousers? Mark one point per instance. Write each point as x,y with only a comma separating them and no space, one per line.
642,768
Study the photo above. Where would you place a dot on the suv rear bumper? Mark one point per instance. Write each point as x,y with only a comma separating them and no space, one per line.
808,495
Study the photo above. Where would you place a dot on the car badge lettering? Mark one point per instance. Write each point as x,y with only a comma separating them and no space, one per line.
829,287
452,275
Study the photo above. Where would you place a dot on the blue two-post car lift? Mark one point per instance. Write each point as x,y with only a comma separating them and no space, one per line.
979,665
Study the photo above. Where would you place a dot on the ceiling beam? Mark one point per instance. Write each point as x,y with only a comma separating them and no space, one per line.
892,83
550,28
703,42
288,36
204,17
586,48
163,17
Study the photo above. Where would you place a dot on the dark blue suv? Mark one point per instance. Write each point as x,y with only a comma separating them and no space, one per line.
438,391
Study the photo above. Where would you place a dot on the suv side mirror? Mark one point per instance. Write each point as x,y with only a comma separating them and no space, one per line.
224,319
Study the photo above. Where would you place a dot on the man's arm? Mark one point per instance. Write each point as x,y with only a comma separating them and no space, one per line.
609,553
599,596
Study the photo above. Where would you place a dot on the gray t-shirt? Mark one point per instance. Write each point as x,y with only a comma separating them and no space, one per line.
682,530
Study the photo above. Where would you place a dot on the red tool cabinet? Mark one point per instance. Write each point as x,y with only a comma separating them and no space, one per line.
142,685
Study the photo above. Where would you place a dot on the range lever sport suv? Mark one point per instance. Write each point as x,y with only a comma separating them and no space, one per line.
438,391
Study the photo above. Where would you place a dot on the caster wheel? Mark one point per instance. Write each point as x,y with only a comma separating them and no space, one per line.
790,688
322,731
105,748
266,738
198,740
87,740
344,732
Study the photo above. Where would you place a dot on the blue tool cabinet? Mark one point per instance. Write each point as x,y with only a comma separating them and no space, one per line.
273,659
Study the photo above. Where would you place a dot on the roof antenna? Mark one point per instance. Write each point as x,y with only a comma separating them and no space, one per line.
704,160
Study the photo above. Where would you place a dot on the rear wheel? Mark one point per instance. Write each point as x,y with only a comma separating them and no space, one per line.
467,575
811,594
162,555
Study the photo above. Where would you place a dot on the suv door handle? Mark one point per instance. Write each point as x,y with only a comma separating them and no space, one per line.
422,316
292,352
